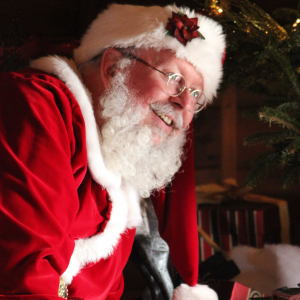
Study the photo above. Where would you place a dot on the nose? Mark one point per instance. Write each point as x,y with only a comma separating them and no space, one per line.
183,101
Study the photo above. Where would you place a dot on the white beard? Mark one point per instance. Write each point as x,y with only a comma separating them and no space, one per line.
127,144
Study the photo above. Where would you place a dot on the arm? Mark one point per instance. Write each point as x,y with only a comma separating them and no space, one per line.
36,187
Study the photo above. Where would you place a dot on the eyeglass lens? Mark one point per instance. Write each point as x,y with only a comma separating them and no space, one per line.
176,85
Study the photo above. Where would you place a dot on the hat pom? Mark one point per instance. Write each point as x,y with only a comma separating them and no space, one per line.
197,292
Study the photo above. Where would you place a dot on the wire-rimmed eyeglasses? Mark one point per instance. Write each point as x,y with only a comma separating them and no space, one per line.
175,84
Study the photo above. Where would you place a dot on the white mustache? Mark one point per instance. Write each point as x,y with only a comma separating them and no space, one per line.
167,109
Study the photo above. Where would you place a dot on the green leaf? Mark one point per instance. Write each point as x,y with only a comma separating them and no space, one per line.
272,115
261,168
294,146
180,13
289,177
289,106
269,137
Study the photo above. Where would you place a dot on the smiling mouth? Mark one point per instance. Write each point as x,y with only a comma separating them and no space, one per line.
164,118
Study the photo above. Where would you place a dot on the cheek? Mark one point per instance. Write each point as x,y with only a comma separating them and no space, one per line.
147,87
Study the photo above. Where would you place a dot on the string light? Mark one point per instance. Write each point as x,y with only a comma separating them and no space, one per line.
296,24
215,7
250,18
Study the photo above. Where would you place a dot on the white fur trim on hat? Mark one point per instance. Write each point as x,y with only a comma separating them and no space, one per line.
139,26
197,292
267,269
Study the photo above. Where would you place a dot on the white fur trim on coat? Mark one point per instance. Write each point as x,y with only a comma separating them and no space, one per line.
66,70
125,211
124,26
197,292
267,269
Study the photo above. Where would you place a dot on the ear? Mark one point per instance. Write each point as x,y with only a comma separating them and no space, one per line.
109,65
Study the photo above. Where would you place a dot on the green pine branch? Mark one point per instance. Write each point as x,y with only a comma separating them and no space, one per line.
289,106
294,40
275,116
269,137
286,67
294,145
291,175
261,168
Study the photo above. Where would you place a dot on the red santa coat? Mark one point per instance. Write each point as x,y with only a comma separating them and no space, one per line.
62,213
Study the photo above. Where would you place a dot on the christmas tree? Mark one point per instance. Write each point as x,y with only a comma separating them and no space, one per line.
264,55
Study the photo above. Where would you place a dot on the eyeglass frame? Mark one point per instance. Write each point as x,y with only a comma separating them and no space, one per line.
169,75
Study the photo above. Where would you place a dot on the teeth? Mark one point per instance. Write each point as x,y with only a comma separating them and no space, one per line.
166,119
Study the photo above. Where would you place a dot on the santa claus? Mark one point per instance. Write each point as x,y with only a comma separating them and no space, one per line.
83,139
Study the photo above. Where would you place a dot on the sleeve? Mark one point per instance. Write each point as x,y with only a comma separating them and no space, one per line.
177,218
36,188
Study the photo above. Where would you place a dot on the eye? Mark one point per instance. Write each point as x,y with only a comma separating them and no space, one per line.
174,77
175,84
195,94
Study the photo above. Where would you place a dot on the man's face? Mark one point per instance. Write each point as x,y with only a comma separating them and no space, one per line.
132,109
150,87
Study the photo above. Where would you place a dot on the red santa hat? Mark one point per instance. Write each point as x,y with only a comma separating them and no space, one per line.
191,36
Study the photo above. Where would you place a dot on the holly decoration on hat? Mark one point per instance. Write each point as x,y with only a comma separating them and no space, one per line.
184,29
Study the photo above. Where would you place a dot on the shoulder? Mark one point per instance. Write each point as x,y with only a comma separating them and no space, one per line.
36,92
32,82
35,102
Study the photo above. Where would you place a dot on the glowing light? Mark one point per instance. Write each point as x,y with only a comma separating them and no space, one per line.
220,10
296,23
